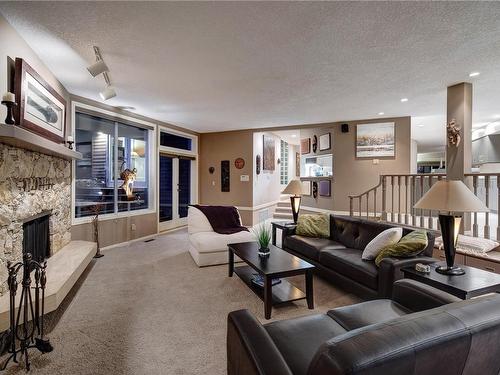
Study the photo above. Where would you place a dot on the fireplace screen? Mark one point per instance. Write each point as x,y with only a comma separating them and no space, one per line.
36,237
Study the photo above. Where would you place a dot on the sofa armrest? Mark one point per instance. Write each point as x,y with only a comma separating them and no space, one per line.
417,296
250,349
390,271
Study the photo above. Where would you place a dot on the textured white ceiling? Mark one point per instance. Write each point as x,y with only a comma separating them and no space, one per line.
213,66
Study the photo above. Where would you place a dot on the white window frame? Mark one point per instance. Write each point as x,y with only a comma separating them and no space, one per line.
166,225
153,166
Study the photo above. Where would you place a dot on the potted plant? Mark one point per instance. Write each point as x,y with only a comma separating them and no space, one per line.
263,236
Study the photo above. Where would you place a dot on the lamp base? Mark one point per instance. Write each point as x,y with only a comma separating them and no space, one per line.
451,271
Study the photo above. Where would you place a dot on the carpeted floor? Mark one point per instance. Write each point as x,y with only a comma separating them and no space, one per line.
147,308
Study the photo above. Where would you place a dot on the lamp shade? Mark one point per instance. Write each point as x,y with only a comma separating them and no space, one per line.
451,196
294,187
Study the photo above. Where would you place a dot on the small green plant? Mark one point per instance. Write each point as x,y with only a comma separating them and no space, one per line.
263,235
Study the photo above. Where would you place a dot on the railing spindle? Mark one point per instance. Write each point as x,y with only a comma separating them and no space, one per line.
375,204
392,198
399,199
413,201
430,221
475,227
406,199
359,204
367,205
487,199
421,194
384,198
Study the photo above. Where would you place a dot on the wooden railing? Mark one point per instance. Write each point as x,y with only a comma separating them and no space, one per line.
397,194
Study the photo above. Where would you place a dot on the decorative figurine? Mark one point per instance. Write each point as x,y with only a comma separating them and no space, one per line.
70,142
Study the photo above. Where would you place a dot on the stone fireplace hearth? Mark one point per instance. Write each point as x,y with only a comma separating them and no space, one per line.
32,183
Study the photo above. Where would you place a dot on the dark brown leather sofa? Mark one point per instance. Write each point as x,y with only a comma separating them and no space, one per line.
338,258
421,331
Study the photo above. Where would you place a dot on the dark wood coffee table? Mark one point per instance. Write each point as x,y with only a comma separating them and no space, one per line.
279,264
474,283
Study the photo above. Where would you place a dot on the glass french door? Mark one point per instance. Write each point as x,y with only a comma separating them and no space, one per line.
174,190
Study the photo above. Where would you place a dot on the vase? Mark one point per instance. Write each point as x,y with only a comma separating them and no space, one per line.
264,251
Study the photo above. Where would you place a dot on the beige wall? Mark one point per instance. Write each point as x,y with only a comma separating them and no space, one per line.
215,147
353,176
266,185
118,230
12,46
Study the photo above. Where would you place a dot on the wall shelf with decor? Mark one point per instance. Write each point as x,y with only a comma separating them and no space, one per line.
18,137
330,178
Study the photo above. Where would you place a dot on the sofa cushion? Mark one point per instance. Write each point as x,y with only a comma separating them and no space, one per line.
410,245
348,263
310,246
197,221
208,242
299,339
313,225
387,237
366,313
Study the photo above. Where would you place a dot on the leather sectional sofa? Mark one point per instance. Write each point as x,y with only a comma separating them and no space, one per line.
338,258
421,331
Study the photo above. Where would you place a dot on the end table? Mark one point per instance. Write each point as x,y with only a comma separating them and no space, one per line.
284,226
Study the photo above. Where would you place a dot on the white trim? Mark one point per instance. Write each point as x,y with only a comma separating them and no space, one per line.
259,207
152,150
178,151
323,210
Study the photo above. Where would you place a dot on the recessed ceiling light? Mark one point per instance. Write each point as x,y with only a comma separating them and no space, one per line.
496,116
380,113
474,74
420,125
294,135
404,100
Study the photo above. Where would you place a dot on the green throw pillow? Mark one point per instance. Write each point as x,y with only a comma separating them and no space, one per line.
317,225
410,245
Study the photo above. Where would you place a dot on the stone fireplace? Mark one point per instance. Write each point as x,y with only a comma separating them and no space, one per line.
32,185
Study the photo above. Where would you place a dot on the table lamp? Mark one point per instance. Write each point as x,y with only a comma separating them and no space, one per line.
294,188
450,197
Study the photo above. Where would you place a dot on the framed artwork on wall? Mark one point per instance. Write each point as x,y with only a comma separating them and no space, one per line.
375,140
324,142
315,143
305,146
297,164
225,176
268,153
325,188
40,109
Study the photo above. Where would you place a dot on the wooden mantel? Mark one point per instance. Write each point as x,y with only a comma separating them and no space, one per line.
15,136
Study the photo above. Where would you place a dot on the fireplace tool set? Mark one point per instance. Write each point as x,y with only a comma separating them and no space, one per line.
26,322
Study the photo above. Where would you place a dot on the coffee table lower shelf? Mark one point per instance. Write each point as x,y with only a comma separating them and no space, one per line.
282,293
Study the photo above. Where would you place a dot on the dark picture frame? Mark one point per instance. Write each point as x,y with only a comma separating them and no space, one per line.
268,153
305,146
325,141
375,141
41,109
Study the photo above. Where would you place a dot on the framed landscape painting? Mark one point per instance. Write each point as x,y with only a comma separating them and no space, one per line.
40,109
268,153
305,146
375,140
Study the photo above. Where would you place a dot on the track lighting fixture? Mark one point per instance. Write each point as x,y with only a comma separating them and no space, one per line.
108,93
100,67
97,68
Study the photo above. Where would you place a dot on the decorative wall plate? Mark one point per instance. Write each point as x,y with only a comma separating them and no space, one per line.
211,170
239,163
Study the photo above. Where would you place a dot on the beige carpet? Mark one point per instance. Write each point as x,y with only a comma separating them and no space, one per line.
148,309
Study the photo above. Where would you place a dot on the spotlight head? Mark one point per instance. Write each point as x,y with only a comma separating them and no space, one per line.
97,68
108,93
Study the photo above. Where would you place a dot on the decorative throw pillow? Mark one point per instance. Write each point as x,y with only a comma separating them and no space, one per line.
388,237
410,245
317,225
471,245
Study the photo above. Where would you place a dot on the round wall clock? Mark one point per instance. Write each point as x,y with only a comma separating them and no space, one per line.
239,163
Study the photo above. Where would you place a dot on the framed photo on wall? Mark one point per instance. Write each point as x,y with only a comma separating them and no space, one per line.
324,142
306,188
375,141
268,153
305,146
40,108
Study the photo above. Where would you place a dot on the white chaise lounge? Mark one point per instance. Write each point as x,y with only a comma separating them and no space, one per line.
206,246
